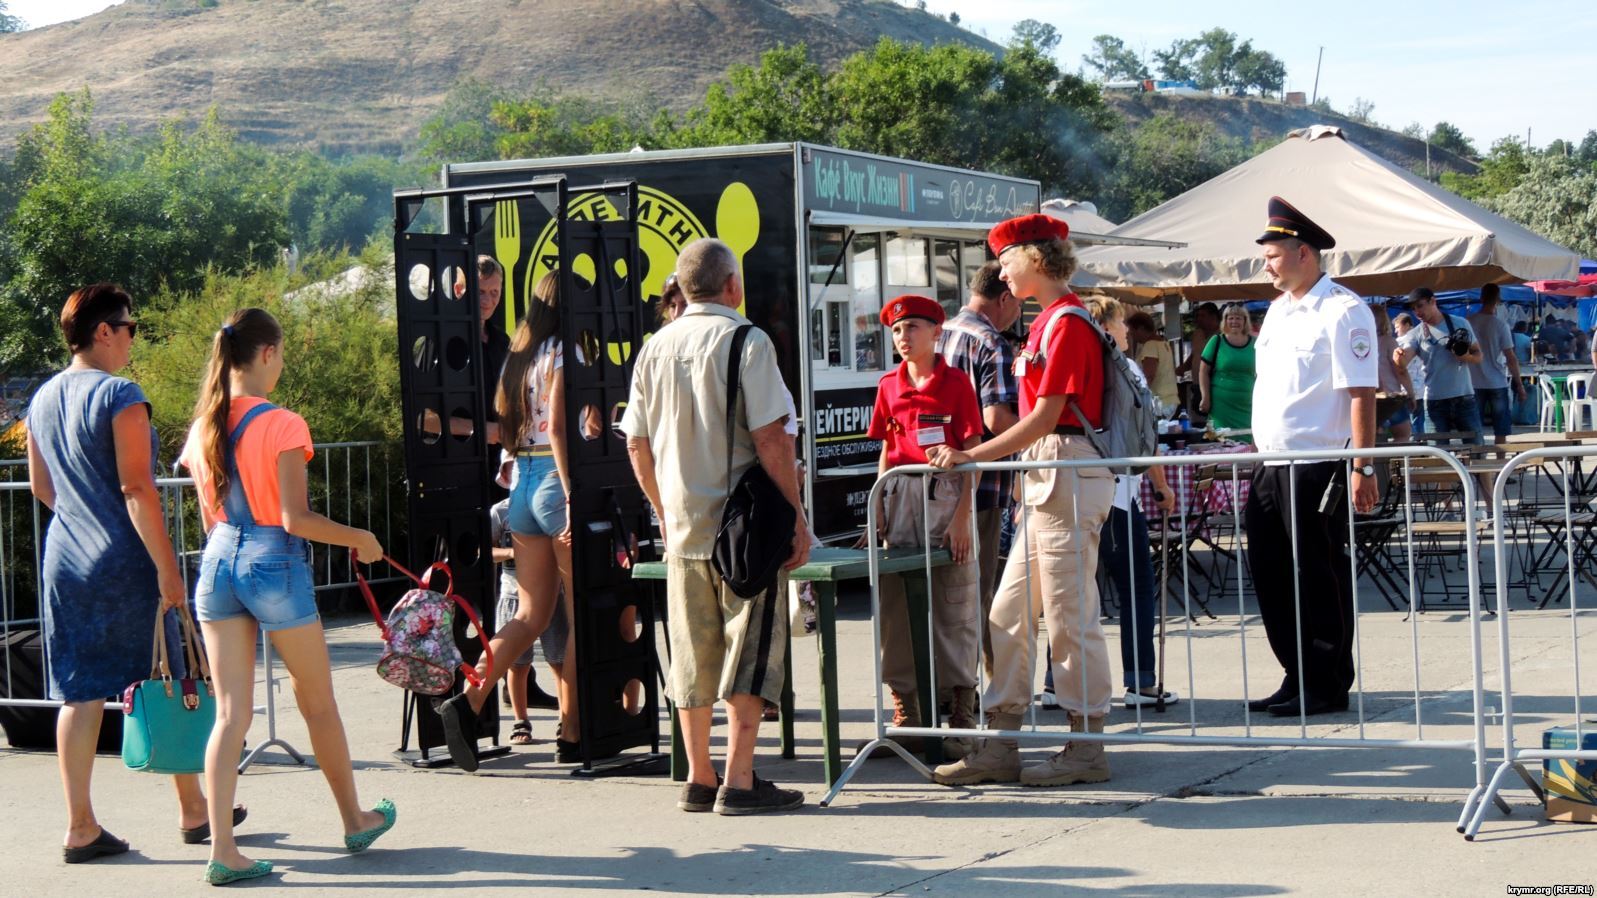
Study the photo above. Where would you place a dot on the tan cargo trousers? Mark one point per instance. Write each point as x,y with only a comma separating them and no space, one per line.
1053,567
956,628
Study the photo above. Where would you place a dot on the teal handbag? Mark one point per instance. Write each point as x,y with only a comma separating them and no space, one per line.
168,721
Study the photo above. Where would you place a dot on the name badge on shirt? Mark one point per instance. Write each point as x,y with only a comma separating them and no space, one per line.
931,430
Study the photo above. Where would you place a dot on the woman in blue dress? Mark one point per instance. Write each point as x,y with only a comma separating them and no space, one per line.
108,563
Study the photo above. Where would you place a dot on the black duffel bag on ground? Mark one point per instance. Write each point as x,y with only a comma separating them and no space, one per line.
756,532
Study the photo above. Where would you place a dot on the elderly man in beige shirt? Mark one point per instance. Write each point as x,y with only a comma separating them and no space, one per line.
723,647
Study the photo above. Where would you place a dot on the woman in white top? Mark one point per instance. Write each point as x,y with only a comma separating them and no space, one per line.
531,405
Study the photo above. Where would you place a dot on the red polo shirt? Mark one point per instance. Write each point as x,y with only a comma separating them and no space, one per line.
911,419
1072,365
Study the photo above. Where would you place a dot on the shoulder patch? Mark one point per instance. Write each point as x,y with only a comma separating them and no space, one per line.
1359,342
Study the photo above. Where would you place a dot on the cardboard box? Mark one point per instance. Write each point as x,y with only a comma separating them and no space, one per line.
1571,785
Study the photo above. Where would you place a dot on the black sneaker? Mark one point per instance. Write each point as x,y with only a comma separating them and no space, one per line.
460,731
697,799
765,798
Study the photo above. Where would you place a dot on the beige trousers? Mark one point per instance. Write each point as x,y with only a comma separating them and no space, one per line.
989,531
1053,567
956,629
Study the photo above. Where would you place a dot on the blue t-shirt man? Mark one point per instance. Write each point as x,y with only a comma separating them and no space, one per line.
1449,392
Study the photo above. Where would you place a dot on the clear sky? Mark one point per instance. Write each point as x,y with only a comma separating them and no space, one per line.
1491,68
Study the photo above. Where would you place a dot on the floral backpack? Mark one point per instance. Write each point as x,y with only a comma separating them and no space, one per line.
419,651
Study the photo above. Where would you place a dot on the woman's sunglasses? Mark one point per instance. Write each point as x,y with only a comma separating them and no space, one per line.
132,326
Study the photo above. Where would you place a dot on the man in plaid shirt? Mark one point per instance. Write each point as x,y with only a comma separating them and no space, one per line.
973,342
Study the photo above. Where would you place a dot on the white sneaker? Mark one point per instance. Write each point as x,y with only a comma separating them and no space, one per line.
1048,700
1135,697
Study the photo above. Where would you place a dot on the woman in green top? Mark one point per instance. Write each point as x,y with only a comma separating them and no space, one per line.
1226,373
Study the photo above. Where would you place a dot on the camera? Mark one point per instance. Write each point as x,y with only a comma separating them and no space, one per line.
1458,342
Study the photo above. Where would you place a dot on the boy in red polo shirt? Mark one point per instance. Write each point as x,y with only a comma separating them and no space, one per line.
923,404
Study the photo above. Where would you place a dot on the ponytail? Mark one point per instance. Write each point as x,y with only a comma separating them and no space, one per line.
237,344
541,322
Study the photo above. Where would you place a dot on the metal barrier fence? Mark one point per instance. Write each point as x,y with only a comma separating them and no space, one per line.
1577,528
1466,528
341,486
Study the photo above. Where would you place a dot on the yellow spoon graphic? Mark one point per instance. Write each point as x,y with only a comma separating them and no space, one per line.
737,222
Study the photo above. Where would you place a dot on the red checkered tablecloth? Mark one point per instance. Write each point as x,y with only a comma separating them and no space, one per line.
1216,499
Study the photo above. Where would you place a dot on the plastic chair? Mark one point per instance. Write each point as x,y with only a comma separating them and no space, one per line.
1580,403
1544,423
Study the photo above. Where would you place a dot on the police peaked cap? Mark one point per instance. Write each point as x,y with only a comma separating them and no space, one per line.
912,306
1286,221
1035,228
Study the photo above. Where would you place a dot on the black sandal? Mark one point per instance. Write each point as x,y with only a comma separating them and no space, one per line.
521,733
194,835
104,845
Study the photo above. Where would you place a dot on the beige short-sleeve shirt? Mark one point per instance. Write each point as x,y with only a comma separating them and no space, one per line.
677,401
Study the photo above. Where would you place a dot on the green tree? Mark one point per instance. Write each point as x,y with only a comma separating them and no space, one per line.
784,97
1448,137
957,105
1162,158
1586,153
342,372
1258,70
1362,111
1176,63
1557,198
462,130
1501,171
10,24
141,212
1114,61
550,125
1041,36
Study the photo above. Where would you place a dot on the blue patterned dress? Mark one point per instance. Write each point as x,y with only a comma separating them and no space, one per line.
100,588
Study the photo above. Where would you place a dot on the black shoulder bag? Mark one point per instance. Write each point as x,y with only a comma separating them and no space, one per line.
756,532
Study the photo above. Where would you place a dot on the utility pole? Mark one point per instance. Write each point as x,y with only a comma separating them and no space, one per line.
1316,97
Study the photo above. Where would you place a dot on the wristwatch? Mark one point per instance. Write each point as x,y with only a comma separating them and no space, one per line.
1366,470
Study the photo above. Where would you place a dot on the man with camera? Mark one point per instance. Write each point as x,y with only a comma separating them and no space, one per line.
1445,345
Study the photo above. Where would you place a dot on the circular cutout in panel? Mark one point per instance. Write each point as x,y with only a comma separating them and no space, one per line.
460,420
618,347
631,624
592,424
587,348
430,426
424,355
632,697
457,352
451,280
468,550
420,281
583,266
618,411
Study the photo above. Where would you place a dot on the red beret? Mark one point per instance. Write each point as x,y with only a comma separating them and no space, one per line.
912,306
1034,228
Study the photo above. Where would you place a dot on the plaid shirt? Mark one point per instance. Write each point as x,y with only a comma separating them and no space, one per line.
971,343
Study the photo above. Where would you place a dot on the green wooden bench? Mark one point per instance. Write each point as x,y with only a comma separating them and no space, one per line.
826,568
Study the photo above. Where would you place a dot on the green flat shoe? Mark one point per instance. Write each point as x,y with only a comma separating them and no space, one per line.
363,840
218,875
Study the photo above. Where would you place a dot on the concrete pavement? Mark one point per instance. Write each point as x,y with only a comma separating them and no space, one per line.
1173,821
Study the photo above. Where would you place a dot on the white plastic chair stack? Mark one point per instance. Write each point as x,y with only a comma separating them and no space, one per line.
1579,401
1549,403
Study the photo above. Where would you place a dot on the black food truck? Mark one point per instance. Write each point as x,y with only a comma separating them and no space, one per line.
825,237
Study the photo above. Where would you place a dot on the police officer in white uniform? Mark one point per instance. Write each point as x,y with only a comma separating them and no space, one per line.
1316,358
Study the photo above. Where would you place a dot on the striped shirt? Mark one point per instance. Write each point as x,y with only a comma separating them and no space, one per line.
971,343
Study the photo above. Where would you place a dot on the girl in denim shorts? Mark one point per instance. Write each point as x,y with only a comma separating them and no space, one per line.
531,405
248,459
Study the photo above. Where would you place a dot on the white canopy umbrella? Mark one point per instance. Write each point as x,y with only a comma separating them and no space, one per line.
1394,231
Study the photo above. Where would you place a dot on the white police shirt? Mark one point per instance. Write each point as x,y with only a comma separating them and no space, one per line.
1310,351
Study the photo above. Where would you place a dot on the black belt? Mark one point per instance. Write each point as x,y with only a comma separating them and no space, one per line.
1070,430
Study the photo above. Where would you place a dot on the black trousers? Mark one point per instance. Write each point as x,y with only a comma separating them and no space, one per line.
1324,576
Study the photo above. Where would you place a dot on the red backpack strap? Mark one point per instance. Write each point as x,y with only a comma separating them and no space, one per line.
371,600
466,670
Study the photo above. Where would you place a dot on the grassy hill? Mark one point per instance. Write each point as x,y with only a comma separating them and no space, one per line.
364,74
